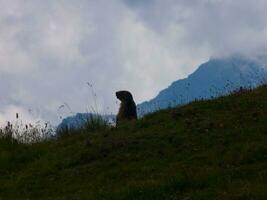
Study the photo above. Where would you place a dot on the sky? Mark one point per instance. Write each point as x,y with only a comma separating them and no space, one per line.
79,53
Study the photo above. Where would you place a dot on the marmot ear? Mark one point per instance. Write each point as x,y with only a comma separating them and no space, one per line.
129,96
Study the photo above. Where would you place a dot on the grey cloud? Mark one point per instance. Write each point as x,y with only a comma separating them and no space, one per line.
226,26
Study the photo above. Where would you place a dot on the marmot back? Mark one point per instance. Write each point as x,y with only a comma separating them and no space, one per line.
127,109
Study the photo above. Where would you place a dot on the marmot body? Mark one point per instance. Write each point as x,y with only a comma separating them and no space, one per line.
127,109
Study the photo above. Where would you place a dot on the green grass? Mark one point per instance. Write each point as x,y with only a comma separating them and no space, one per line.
213,149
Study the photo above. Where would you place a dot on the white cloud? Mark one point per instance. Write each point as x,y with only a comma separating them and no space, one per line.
50,49
27,116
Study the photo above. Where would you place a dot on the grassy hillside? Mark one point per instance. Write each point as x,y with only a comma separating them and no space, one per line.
205,150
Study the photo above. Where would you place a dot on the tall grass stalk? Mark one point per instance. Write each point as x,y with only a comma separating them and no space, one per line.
21,132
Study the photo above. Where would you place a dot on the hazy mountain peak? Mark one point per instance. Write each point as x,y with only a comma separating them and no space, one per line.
217,77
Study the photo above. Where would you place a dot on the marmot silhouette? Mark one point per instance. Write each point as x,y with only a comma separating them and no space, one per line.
127,109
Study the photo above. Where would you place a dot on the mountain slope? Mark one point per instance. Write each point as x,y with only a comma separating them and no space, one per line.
80,119
214,149
215,78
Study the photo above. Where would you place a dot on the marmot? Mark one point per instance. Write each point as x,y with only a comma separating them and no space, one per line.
127,109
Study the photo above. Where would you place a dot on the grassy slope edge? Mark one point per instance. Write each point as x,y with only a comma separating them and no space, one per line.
214,149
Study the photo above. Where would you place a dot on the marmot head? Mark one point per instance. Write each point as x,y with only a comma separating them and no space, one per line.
124,96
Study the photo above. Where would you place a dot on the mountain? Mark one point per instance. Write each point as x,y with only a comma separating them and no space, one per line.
80,119
217,77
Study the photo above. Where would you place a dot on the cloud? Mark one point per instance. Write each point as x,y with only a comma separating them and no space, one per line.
28,116
50,49
225,26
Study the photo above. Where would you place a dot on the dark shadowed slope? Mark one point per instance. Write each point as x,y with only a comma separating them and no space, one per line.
213,149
